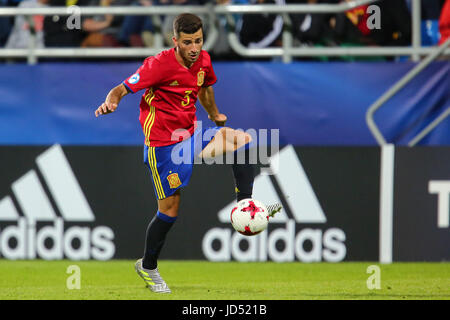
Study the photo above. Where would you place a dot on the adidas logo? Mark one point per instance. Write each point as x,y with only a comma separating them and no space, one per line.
175,83
36,207
301,201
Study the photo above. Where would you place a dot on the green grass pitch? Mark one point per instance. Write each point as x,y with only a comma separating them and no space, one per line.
201,280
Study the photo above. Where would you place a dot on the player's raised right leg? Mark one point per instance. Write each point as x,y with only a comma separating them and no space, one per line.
225,140
229,140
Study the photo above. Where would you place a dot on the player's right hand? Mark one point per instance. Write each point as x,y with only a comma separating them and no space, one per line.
105,108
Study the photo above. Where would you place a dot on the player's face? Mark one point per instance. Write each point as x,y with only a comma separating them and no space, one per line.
189,46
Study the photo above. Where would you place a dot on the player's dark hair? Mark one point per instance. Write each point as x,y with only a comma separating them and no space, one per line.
188,23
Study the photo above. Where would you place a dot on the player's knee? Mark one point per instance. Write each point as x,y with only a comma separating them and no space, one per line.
241,138
248,138
171,211
169,206
224,132
236,138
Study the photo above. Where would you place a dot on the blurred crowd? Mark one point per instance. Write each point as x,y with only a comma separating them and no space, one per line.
350,28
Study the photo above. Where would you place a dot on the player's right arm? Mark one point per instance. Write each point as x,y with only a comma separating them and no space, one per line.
146,76
112,100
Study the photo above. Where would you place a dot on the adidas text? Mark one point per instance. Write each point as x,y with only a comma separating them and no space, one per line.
23,241
324,245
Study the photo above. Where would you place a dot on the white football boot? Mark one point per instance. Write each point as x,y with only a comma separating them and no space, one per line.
152,278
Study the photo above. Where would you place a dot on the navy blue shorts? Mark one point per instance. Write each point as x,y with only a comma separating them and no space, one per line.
171,166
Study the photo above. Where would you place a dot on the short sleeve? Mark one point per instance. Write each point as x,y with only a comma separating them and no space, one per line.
146,76
210,76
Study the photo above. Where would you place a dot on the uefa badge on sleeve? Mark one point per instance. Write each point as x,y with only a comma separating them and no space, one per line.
134,78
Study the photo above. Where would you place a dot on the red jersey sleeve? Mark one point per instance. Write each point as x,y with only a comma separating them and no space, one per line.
210,76
146,76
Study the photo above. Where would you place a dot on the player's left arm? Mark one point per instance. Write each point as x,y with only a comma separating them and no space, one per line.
207,100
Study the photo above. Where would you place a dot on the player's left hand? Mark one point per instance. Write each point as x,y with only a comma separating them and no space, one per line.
219,119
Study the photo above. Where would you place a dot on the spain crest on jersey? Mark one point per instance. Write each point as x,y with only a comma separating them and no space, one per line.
174,180
200,78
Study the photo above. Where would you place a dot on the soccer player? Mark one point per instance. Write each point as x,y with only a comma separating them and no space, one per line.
173,81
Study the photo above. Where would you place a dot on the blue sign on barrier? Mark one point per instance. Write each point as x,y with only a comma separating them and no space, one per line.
311,103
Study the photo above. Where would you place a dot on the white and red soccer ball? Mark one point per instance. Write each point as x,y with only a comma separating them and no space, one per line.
249,217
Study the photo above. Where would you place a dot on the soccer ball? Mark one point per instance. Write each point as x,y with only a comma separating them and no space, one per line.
249,217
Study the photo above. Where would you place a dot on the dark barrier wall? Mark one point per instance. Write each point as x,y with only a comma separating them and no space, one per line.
330,215
421,204
95,203
311,103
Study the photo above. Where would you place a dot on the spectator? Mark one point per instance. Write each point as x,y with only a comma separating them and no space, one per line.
137,31
431,9
56,31
24,26
430,12
350,27
222,49
6,23
310,28
444,22
395,24
103,30
262,30
167,25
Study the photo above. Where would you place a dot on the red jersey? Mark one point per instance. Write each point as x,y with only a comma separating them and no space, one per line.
167,108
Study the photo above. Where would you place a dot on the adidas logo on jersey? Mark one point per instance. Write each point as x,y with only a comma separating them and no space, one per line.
174,83
304,206
31,241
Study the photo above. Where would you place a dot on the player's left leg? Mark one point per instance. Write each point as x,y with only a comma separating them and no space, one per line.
167,178
159,227
230,140
155,238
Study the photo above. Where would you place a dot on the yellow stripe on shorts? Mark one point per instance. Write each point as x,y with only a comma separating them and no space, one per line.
155,174
150,163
